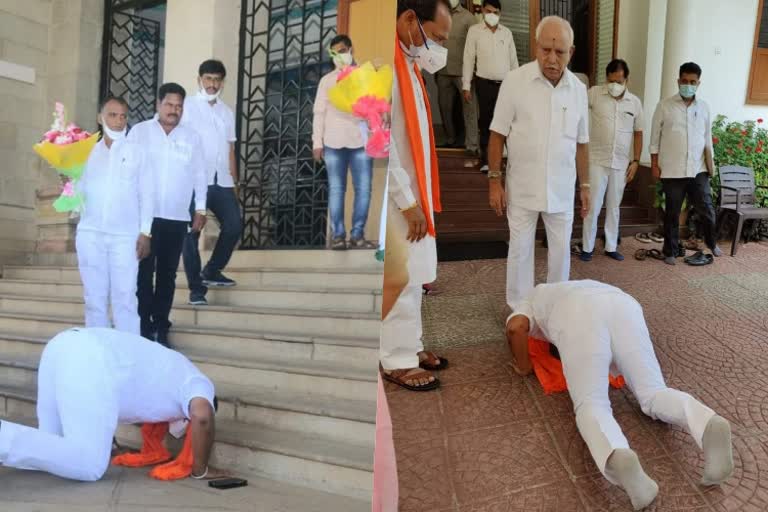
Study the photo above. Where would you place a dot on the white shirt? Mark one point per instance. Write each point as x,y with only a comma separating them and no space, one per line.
177,166
612,125
681,135
494,54
216,126
542,125
403,186
117,190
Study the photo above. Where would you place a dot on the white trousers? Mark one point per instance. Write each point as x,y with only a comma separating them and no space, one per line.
401,330
522,238
611,329
108,270
77,411
609,184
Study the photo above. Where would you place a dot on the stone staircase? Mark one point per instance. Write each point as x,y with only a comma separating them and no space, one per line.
292,350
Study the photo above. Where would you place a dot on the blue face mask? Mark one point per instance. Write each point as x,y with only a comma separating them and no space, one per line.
688,91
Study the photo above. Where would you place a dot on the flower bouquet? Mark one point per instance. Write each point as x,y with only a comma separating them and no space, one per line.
366,93
66,147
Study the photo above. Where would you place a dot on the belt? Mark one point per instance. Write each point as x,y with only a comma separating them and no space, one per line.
497,82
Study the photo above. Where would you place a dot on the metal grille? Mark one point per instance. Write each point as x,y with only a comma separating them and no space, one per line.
562,8
282,49
131,57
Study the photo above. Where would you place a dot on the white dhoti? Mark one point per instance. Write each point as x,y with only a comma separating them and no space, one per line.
589,341
77,411
522,238
108,269
608,184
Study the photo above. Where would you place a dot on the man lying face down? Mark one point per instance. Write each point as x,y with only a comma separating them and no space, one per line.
594,325
89,381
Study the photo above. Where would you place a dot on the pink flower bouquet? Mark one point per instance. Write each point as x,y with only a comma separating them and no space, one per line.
366,93
66,147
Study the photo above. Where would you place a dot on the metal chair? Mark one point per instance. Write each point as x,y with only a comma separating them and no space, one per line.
737,196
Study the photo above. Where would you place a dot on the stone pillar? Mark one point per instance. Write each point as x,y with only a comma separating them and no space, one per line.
679,42
74,67
654,66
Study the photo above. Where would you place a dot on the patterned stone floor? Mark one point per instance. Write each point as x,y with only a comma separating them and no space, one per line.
490,441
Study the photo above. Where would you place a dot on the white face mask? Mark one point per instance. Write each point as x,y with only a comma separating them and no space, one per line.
616,90
454,4
342,60
210,97
112,134
491,19
431,56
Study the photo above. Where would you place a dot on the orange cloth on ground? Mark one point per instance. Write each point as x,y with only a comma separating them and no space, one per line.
153,452
549,369
152,449
408,97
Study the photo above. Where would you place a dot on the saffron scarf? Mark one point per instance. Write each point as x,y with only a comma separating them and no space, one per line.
153,452
408,97
549,369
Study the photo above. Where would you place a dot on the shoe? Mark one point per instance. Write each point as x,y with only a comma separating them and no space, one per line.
198,300
360,243
670,260
585,256
162,338
339,244
717,252
615,255
216,279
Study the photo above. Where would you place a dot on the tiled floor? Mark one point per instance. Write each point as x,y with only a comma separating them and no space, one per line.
490,441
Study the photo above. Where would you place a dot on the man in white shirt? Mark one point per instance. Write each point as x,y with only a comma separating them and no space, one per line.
489,55
414,189
113,234
214,121
615,129
92,380
177,165
682,156
450,83
542,117
600,330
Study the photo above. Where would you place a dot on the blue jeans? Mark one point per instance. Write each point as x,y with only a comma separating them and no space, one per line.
223,203
337,161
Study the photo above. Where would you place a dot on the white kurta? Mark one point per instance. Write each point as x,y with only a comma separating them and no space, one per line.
596,326
542,125
89,381
401,330
119,202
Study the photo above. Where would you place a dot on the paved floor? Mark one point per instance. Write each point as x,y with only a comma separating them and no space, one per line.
491,441
131,490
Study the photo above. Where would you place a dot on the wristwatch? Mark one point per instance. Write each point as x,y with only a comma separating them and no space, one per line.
494,175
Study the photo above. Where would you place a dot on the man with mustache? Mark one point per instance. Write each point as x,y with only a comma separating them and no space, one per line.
541,115
176,162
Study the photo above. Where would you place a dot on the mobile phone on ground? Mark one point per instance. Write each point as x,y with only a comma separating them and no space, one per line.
228,483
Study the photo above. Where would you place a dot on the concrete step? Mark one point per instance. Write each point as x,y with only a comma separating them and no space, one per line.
317,259
281,321
368,279
360,301
315,462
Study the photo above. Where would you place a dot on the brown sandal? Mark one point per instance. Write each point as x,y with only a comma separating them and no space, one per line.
431,364
401,378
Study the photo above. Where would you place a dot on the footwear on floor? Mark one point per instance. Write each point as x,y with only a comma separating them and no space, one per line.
616,255
585,256
401,378
699,259
339,244
361,243
429,361
656,237
643,237
198,300
216,279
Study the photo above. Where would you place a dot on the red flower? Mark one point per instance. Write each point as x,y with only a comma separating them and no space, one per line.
760,120
741,145
759,149
715,140
743,132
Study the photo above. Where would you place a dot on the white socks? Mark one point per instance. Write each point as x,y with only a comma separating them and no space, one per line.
718,452
626,469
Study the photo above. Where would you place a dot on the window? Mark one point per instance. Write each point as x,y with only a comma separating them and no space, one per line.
757,92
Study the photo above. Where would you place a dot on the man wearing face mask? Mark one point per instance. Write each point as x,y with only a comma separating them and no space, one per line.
616,127
449,82
337,138
176,162
114,231
542,117
214,121
682,156
488,56
414,188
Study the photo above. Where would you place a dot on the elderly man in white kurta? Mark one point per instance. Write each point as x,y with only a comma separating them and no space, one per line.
413,190
541,116
92,380
115,225
596,326
615,130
